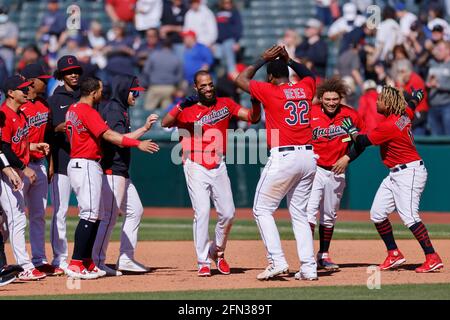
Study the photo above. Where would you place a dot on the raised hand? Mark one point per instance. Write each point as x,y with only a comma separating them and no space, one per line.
284,55
189,101
151,119
272,53
348,126
417,95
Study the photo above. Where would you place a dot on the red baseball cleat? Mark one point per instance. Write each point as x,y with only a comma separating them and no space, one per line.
50,270
223,266
432,263
204,271
394,259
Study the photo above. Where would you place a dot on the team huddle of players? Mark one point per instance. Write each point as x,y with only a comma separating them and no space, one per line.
87,145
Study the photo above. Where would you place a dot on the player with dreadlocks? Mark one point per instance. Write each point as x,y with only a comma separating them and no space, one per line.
402,188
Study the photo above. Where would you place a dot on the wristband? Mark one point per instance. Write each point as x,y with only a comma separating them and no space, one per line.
259,63
4,160
129,143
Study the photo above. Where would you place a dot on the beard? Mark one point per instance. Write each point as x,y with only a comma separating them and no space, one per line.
207,102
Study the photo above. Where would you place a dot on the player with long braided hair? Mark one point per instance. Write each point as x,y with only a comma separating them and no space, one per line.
402,188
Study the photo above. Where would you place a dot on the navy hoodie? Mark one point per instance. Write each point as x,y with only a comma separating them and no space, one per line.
116,160
59,102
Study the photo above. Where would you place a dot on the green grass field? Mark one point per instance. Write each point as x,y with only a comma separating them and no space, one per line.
388,292
181,229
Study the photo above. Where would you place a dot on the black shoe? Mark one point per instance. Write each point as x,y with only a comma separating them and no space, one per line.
9,273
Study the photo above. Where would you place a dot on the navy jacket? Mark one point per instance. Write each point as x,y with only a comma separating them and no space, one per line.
59,102
116,160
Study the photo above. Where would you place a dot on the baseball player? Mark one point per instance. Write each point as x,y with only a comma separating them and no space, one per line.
402,188
205,119
85,129
118,192
332,145
291,166
68,71
37,113
16,147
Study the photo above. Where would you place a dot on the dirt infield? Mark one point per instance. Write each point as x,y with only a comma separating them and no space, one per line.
246,213
174,269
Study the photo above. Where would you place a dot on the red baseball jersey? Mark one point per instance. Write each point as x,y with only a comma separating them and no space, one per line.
330,141
15,132
37,114
395,138
207,126
84,128
287,108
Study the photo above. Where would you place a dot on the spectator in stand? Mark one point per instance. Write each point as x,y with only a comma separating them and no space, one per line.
151,43
53,13
229,25
3,77
9,37
404,77
200,19
196,56
148,14
71,47
172,22
436,17
162,73
291,40
405,18
348,22
323,11
30,54
438,82
349,65
119,53
121,10
313,48
388,35
362,5
97,42
367,106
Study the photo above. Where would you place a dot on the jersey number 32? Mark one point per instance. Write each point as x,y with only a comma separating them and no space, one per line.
297,112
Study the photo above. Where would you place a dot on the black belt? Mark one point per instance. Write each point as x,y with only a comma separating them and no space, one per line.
292,148
328,168
404,166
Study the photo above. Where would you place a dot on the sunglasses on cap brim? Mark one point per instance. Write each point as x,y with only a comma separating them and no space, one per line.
135,93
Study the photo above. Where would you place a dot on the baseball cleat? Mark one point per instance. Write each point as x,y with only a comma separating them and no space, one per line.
222,266
50,270
92,268
394,259
132,266
301,276
324,262
110,272
432,263
9,273
77,270
272,271
31,274
204,271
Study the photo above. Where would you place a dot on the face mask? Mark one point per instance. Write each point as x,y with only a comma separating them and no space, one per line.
3,18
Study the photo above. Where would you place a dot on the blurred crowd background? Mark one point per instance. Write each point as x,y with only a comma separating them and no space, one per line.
165,42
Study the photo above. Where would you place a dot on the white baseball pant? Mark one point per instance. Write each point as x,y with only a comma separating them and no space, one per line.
36,201
86,181
13,204
290,174
400,190
326,195
203,185
60,195
118,195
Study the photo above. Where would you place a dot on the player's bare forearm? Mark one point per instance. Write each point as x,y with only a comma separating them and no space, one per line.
168,121
252,115
243,79
136,134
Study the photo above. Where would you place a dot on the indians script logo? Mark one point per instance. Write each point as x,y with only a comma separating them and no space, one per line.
330,132
214,117
38,120
20,133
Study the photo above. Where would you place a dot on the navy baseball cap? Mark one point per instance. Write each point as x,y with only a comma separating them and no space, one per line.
16,82
135,86
67,63
34,70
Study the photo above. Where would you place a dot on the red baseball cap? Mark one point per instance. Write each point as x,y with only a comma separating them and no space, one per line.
16,82
135,86
188,33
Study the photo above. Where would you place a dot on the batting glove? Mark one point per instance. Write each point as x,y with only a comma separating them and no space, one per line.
189,101
348,126
417,95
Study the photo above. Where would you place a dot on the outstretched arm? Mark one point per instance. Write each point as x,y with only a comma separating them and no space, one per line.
170,118
300,69
243,79
123,141
252,115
